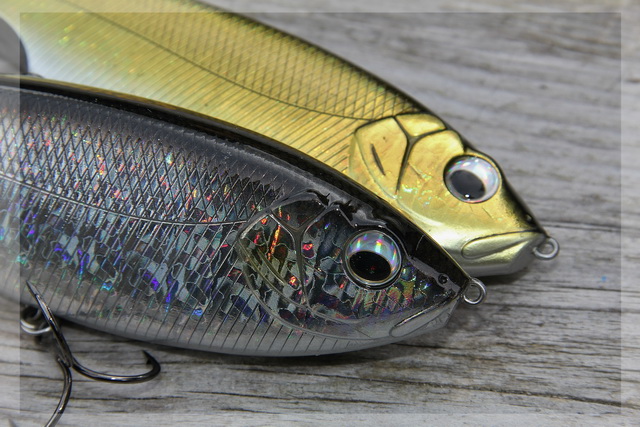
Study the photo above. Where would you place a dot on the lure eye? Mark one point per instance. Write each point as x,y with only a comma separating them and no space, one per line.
472,179
372,259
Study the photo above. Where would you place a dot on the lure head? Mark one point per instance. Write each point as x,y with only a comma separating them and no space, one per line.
342,272
451,191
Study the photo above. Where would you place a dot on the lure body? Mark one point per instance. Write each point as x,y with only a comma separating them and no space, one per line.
199,237
221,65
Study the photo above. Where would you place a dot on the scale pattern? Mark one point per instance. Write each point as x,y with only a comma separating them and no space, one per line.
119,226
138,227
222,65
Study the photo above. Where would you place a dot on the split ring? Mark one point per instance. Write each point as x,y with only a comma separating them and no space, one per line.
546,255
481,289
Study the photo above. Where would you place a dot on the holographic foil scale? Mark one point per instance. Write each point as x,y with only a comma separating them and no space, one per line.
193,236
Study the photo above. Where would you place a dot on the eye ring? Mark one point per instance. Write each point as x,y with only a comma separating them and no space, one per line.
372,259
472,179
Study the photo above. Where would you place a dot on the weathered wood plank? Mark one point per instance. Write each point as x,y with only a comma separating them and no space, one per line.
539,92
630,205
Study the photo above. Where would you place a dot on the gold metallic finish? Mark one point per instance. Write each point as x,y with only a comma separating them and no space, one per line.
404,158
191,56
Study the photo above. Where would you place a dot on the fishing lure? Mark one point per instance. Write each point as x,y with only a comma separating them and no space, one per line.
155,225
186,54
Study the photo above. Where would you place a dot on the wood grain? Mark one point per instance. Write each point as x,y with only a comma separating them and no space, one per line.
556,344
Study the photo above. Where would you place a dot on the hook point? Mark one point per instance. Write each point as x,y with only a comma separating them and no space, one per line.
155,369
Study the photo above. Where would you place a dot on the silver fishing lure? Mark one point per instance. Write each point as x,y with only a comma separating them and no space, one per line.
149,224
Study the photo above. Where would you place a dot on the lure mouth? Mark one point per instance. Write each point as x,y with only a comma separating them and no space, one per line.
507,252
436,317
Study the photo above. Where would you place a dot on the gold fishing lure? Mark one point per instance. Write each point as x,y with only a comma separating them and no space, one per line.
189,55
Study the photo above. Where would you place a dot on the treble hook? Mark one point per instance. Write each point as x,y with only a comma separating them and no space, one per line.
66,360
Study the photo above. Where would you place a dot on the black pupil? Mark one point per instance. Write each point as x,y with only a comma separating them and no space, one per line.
467,184
370,266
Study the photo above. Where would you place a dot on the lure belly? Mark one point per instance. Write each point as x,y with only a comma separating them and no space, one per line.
153,225
186,54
